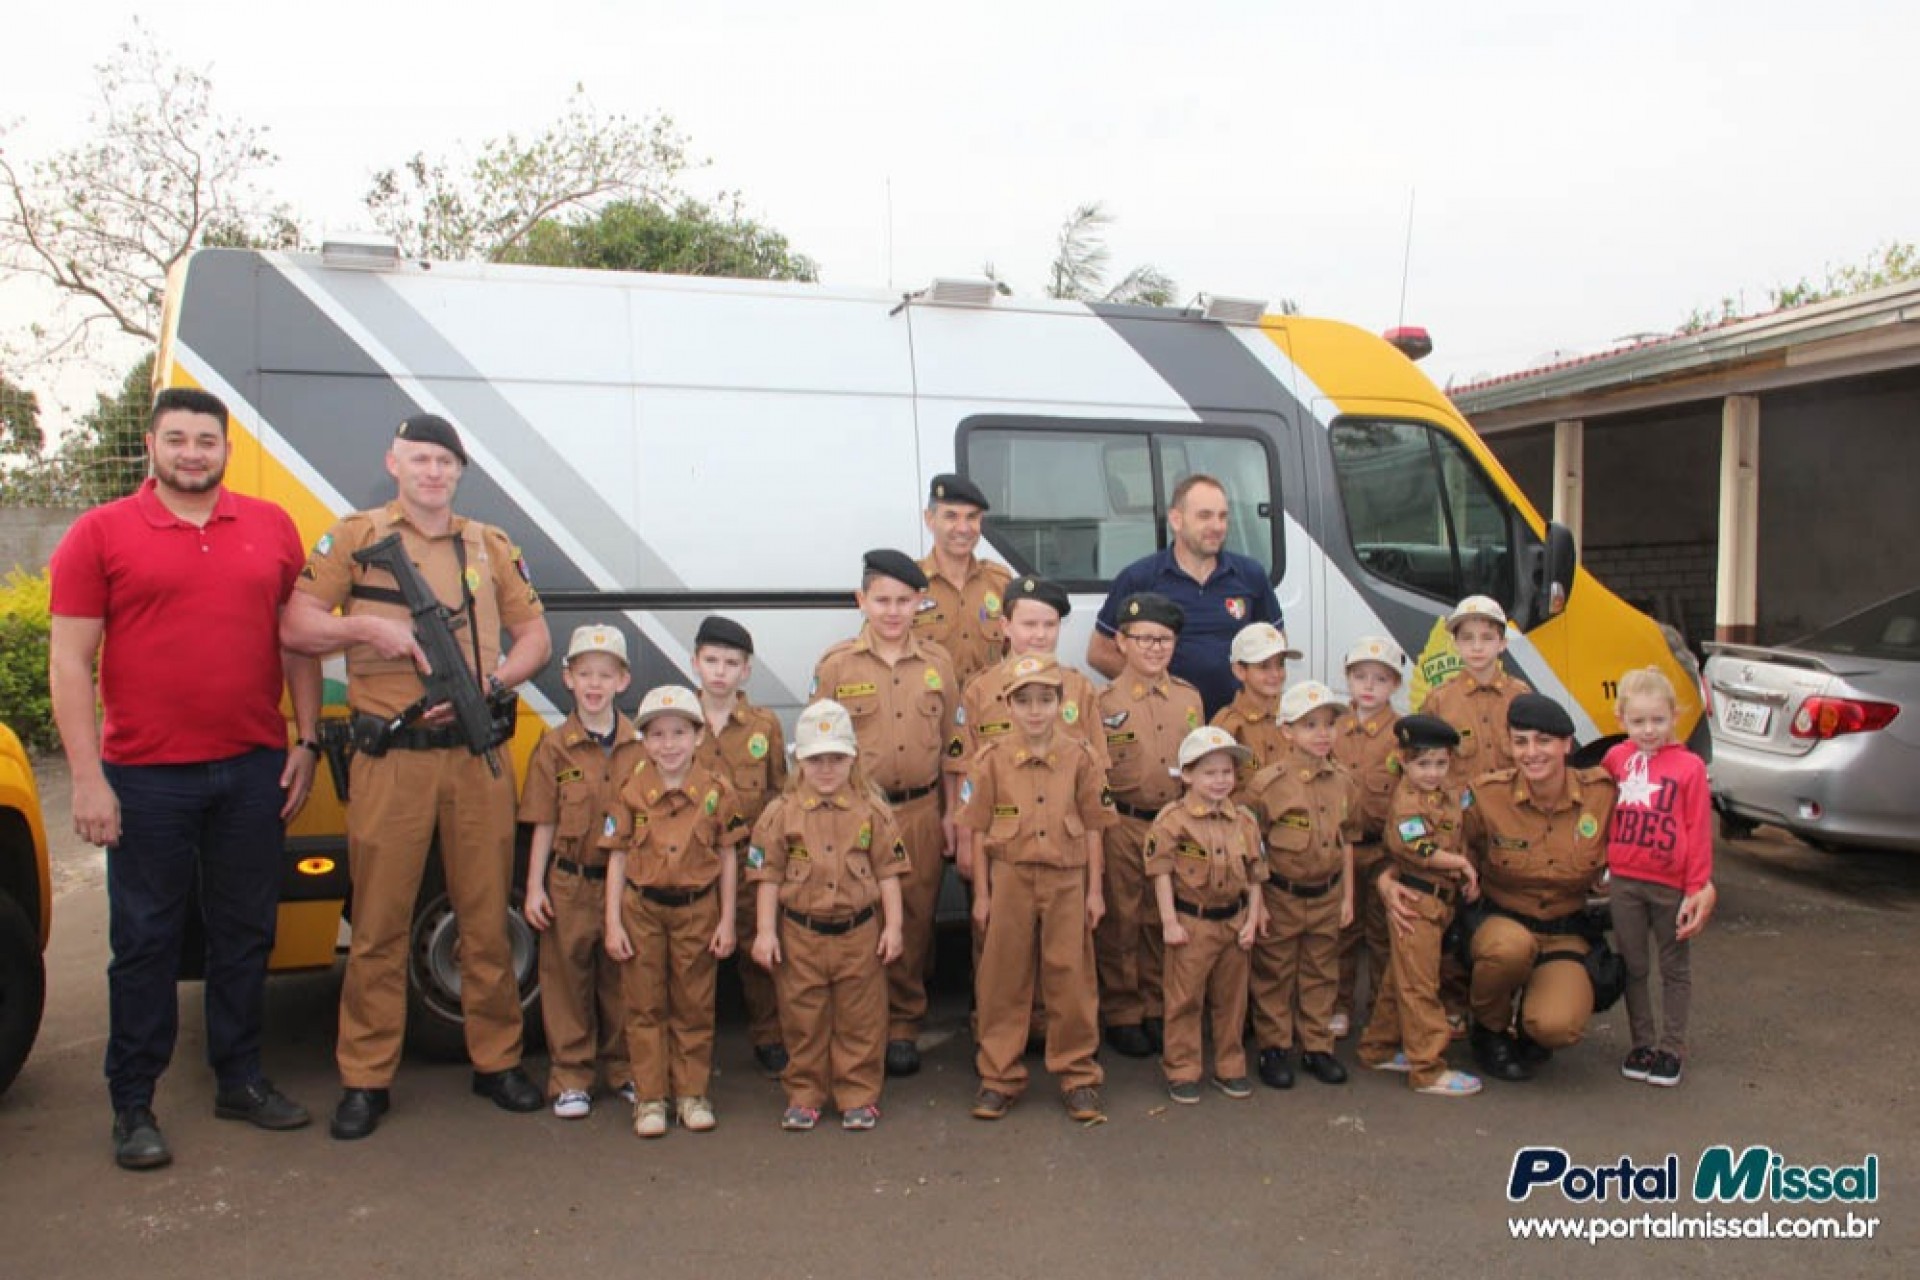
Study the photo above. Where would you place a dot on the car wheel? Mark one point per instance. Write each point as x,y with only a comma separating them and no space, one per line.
1734,827
436,1026
23,988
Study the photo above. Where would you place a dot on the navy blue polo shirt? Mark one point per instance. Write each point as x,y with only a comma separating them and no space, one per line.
1238,593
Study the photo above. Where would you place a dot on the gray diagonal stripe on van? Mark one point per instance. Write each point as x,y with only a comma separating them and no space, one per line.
1222,382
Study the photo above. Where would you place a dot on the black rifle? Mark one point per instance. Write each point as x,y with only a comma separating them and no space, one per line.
449,680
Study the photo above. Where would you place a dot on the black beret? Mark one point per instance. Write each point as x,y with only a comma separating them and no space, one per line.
897,565
724,632
1151,606
947,487
1540,713
1047,593
431,428
1423,733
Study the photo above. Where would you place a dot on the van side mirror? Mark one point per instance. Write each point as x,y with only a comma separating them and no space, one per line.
1557,576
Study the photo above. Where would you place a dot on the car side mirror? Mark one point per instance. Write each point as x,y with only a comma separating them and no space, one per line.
1557,576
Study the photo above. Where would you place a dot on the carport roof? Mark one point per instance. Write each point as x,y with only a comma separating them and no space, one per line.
1842,337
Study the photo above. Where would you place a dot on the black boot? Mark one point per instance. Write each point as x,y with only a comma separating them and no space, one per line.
1276,1068
1498,1056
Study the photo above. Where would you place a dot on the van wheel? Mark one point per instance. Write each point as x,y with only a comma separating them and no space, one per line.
436,1027
1734,827
23,988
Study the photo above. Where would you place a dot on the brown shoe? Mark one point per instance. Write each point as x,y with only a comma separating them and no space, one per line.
990,1104
1083,1103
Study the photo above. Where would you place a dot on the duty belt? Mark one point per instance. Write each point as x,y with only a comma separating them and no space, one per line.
1135,811
1186,908
578,869
425,739
831,928
911,793
1560,926
1300,889
1445,892
671,897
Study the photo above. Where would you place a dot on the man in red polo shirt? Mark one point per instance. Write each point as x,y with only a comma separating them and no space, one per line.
177,590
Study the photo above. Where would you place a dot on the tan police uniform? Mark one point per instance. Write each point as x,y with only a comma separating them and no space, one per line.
1479,712
964,617
674,838
828,855
1212,852
1539,858
571,782
1254,723
1407,1014
1033,811
901,712
401,798
1363,749
1144,722
751,753
984,716
1304,802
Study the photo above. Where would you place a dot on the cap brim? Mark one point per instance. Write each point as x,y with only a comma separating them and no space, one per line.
645,718
1235,750
813,749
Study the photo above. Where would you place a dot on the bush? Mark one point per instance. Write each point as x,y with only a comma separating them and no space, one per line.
25,703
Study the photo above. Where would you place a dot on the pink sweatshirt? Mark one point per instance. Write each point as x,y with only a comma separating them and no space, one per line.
1662,823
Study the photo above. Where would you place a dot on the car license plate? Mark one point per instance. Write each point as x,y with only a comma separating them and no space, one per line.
1745,717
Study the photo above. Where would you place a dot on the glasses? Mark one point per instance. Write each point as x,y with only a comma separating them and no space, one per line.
1149,642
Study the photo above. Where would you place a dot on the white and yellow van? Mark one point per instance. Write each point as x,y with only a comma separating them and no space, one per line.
665,447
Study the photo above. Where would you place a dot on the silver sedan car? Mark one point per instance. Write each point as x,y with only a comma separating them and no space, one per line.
1822,736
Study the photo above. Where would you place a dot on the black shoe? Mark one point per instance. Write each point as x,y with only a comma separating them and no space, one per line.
1156,1029
509,1089
772,1058
261,1105
1276,1068
358,1114
903,1058
1130,1042
137,1143
1323,1067
1498,1056
1530,1051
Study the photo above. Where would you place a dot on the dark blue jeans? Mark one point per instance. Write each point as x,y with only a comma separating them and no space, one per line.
215,827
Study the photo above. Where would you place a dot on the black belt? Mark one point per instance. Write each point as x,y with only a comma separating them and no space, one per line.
831,928
590,873
1134,811
1186,908
1559,926
425,739
1300,890
911,793
671,897
1445,892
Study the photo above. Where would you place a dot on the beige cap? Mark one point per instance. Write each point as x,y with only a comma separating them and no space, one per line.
1034,668
1259,641
669,700
1477,607
1205,741
597,638
1307,696
1376,649
824,729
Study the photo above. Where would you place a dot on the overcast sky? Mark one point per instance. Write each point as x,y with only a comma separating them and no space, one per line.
1582,172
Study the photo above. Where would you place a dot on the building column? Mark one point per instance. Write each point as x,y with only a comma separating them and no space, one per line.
1736,612
1570,476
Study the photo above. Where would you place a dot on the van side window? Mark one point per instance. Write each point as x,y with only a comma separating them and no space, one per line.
1078,504
1421,513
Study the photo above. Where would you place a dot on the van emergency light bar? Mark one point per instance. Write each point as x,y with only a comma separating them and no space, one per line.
1234,310
360,252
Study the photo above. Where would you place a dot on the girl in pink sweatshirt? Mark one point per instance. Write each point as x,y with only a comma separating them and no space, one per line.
1660,858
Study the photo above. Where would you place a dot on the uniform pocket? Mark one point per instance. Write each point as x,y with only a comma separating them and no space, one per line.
1285,837
1075,827
576,811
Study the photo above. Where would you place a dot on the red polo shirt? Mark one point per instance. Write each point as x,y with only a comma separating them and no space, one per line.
190,664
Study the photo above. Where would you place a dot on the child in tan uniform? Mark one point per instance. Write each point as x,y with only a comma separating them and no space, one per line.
825,859
1203,853
1363,748
1425,842
1260,656
1474,699
670,903
572,778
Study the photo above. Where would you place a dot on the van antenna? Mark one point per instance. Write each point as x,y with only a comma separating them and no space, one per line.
1406,259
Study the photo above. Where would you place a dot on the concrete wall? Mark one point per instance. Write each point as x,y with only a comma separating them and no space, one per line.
28,536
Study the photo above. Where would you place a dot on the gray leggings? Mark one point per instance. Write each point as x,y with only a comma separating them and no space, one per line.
1645,913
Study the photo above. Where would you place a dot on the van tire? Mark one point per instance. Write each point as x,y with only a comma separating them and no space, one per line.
436,1028
23,988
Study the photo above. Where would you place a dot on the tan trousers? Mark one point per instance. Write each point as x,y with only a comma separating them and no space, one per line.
919,823
833,1015
1369,927
581,1002
1296,971
757,987
1408,1015
669,986
1128,956
1556,999
1038,912
1206,982
399,800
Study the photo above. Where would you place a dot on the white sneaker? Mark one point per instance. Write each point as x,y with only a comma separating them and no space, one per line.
696,1115
1338,1026
628,1094
1398,1062
650,1118
572,1104
1454,1084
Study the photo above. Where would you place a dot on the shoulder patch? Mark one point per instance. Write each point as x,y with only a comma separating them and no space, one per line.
1589,826
610,827
757,746
756,857
865,839
1412,829
712,803
899,850
324,547
933,679
1070,712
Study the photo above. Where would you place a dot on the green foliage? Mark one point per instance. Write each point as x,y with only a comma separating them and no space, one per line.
1892,263
20,434
690,239
25,704
1081,258
104,459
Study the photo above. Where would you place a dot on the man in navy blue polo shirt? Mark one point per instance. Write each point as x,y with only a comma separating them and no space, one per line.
1218,590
